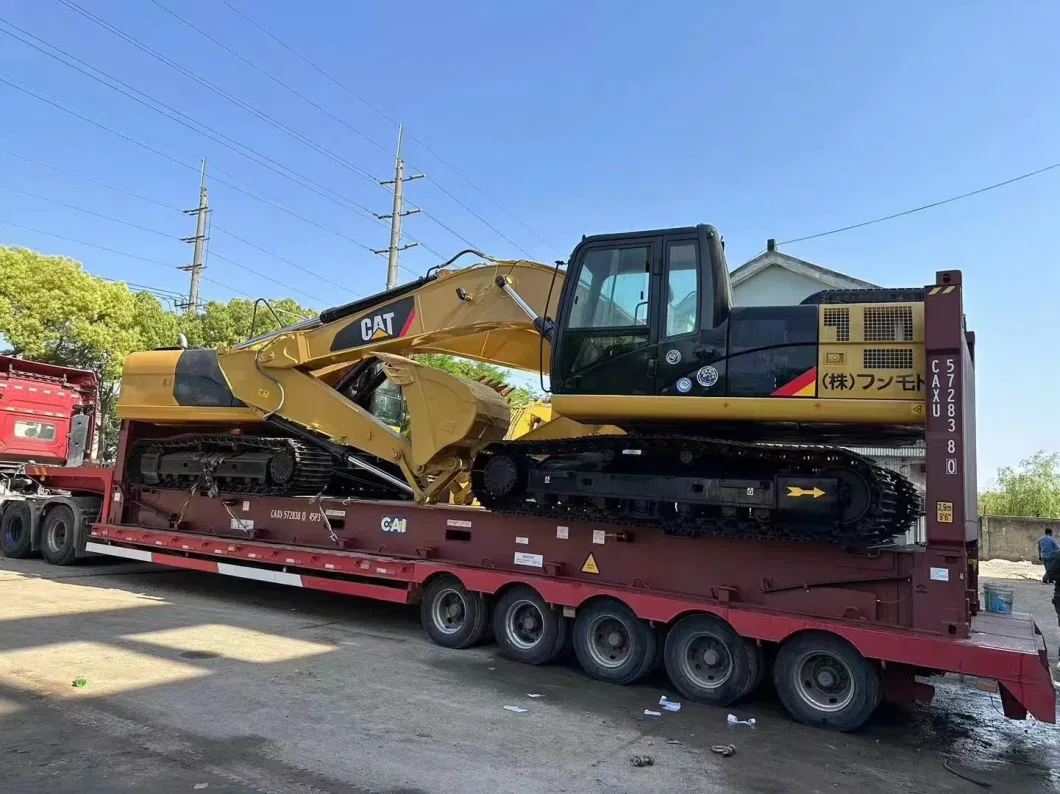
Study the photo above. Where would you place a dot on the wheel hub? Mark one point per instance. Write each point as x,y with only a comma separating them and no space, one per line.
826,683
449,612
610,644
524,625
707,661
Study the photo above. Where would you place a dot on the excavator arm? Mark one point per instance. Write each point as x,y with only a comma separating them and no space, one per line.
295,378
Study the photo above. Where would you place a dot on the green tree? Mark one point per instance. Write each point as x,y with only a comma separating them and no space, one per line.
229,323
476,370
1030,489
53,311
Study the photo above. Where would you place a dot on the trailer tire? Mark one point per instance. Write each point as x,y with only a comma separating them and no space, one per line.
527,628
612,644
823,680
707,661
759,666
58,536
452,615
16,536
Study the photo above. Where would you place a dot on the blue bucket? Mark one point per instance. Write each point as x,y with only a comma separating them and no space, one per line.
998,598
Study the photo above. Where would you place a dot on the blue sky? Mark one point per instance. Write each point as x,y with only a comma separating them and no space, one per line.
766,119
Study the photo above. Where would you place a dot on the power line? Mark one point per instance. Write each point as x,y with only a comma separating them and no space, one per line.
259,274
385,116
192,124
160,233
95,214
923,207
263,198
115,251
90,180
272,77
210,133
364,211
274,255
211,86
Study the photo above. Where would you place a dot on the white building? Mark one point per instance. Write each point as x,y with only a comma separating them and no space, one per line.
776,279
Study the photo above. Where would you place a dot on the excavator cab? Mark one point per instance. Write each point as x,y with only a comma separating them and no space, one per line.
639,307
646,334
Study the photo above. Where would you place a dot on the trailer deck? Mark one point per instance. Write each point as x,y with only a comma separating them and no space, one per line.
1008,649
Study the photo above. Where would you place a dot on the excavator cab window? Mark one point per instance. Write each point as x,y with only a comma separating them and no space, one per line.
387,405
608,327
682,276
367,386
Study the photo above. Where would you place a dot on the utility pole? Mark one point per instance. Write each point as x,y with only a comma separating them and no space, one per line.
395,216
197,241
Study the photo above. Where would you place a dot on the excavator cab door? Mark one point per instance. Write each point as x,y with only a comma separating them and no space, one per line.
607,339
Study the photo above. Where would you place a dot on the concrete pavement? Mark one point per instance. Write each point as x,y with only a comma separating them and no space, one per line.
199,682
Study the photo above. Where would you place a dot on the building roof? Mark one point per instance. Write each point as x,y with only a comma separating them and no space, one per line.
830,278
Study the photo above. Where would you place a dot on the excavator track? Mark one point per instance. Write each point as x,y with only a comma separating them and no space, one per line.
638,480
222,463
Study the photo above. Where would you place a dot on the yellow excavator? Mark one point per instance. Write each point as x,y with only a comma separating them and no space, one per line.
670,406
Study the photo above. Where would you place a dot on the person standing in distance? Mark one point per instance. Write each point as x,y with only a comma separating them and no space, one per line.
1052,576
1047,547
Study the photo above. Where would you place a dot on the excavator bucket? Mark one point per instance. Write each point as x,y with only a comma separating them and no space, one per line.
448,415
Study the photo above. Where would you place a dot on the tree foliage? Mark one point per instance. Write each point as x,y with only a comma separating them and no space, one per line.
51,310
475,370
229,323
1030,489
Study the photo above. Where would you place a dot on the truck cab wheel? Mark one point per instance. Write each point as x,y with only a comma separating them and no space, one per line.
612,644
708,662
527,628
452,616
58,536
823,680
15,536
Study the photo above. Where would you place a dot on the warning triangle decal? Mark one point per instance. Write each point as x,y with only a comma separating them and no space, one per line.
590,565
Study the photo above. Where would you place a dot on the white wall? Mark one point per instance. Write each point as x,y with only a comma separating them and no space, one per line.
775,286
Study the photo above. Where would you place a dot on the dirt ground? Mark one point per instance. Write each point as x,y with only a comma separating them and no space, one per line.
196,682
1006,569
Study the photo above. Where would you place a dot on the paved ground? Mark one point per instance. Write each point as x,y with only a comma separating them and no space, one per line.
200,682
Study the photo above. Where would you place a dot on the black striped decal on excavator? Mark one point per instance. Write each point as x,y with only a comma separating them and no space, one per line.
199,382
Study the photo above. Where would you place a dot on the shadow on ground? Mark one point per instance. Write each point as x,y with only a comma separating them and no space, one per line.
249,687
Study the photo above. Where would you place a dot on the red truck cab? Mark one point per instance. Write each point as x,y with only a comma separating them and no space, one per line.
47,413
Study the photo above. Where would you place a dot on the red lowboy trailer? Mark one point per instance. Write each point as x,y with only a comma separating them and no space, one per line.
840,629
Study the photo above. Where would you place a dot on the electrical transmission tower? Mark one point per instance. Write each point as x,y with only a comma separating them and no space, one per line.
198,241
395,216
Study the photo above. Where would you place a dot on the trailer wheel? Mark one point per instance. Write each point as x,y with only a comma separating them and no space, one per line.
15,536
527,629
58,536
707,661
756,655
612,644
822,680
453,616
